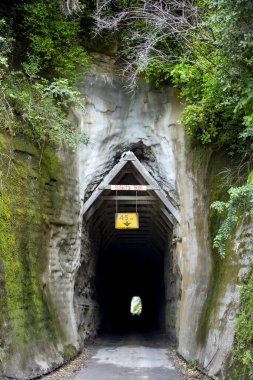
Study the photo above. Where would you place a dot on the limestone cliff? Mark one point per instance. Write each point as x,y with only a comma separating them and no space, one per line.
48,257
35,209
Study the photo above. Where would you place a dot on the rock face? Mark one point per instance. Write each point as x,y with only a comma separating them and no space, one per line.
49,256
38,238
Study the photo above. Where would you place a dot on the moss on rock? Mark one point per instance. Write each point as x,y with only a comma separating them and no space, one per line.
29,199
243,352
224,270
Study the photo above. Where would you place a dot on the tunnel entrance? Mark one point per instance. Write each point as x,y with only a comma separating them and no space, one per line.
130,261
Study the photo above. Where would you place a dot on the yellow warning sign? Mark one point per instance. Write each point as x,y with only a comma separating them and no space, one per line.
129,220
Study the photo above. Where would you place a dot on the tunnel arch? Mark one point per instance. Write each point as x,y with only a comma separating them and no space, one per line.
129,163
130,261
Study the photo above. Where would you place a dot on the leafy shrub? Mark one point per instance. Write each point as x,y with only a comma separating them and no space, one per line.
5,47
39,109
53,41
240,203
30,104
205,49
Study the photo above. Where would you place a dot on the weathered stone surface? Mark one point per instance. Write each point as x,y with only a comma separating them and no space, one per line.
117,121
146,123
215,333
48,258
38,228
85,302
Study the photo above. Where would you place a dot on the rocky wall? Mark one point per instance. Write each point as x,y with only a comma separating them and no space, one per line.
147,123
173,284
215,334
37,219
210,285
48,259
87,309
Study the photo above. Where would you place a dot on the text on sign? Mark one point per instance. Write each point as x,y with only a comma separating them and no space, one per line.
129,187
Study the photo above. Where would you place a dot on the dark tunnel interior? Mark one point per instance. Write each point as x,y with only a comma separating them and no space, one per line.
131,262
123,274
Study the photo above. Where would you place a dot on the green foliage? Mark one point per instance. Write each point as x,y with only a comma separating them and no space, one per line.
53,41
39,109
35,100
219,92
158,72
209,114
5,47
209,60
243,344
240,203
193,365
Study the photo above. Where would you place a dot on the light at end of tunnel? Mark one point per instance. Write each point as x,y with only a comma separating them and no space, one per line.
136,306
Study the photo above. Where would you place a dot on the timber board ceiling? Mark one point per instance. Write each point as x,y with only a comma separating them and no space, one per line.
155,220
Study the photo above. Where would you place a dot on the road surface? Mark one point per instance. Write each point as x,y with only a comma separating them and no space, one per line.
134,357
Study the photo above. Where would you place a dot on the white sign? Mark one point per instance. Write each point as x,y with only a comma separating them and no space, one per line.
129,187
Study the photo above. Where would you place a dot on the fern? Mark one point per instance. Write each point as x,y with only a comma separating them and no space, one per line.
240,203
